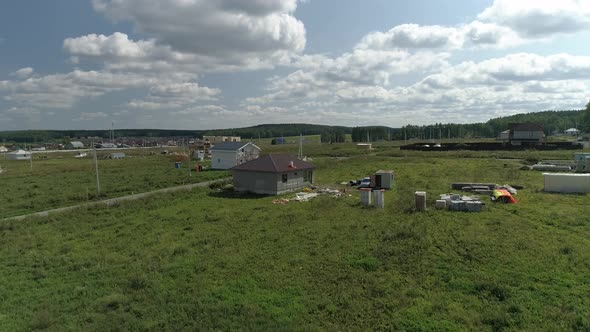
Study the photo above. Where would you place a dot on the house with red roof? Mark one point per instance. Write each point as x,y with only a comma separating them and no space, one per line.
273,174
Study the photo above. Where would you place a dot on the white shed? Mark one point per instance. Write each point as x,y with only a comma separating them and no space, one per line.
229,154
18,155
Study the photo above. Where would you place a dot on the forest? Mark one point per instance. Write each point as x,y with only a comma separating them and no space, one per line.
551,120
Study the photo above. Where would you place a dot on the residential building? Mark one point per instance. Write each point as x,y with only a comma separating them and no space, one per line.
74,145
273,174
526,134
221,139
18,155
229,154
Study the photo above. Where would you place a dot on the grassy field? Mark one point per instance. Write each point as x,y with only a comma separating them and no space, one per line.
208,259
62,180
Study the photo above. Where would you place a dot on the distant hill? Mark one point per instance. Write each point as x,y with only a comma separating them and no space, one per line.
262,131
551,120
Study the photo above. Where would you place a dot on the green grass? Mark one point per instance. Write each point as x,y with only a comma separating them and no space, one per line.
63,180
212,260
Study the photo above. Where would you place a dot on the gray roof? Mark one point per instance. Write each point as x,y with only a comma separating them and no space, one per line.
274,163
526,126
231,146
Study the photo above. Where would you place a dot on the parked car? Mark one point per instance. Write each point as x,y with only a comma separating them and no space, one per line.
365,183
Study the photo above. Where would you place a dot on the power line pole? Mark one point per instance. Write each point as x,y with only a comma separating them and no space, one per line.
97,176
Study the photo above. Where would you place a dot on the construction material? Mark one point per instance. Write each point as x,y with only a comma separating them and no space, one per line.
551,168
304,197
473,206
567,183
366,196
460,185
420,200
455,202
440,204
379,198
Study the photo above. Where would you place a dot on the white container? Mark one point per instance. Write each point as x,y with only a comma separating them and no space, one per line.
567,183
379,198
420,200
441,204
366,197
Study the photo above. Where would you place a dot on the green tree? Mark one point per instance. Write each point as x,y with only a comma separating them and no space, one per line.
586,118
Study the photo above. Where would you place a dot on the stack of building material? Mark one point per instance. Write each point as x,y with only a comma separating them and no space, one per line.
455,202
551,168
440,204
420,200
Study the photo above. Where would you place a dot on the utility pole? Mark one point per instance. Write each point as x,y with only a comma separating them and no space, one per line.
31,156
97,176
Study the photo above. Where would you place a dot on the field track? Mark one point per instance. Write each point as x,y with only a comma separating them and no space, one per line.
116,200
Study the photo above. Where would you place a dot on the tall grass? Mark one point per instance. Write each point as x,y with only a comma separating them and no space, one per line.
209,260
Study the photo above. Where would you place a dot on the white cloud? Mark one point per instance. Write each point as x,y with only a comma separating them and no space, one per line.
539,18
23,73
91,116
432,37
232,32
465,92
64,90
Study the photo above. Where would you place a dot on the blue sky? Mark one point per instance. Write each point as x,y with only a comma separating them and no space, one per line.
196,64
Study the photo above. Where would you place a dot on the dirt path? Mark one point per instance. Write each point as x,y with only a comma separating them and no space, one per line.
116,200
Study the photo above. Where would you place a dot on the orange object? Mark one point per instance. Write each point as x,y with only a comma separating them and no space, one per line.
503,195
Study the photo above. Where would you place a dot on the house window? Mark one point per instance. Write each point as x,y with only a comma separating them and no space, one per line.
295,173
218,160
284,178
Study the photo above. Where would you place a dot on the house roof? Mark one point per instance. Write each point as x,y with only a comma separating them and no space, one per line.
274,163
77,143
526,126
572,130
231,146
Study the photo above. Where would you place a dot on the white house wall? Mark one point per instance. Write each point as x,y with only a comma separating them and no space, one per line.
221,159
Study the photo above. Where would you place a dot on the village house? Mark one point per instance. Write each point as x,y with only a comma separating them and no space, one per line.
526,134
19,155
74,145
221,139
273,174
229,154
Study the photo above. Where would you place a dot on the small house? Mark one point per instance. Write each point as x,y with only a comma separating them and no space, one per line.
572,132
273,174
229,154
18,155
526,134
74,145
504,136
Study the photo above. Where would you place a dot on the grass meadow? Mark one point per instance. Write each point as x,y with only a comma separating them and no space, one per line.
212,260
63,180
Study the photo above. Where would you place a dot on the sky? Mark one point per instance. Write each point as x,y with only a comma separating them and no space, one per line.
205,64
